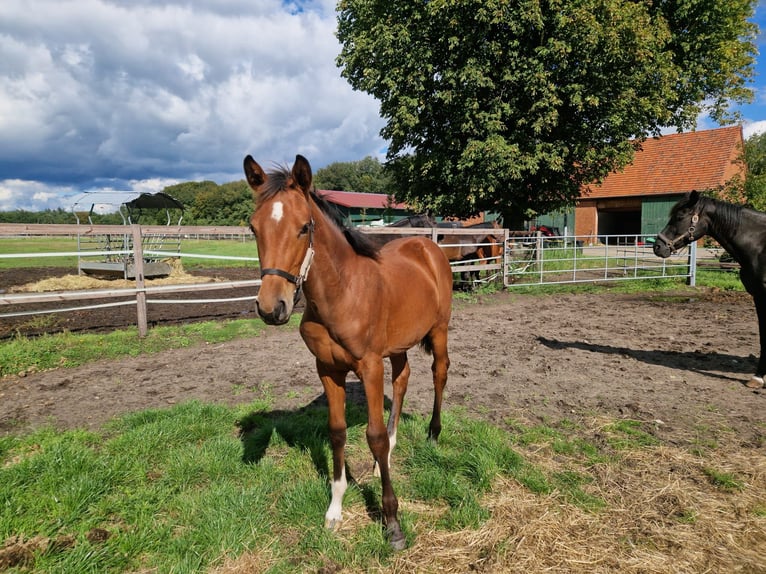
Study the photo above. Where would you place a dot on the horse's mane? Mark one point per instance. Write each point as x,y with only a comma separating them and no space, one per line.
728,216
360,243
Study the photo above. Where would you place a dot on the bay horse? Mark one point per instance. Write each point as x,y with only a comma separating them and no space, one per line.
741,232
363,304
484,247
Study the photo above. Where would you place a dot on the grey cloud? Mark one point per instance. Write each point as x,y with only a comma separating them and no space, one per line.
93,92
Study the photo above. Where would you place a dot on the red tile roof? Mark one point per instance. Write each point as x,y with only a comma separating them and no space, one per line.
360,200
676,163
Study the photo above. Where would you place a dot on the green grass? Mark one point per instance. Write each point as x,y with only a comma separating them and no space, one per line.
219,247
25,354
37,247
723,480
725,280
178,490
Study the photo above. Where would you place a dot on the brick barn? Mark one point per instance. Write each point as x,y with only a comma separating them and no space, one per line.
637,200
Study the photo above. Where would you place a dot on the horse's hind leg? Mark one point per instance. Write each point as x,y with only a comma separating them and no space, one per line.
400,376
334,383
439,369
756,382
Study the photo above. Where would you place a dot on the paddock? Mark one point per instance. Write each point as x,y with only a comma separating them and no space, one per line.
527,357
573,362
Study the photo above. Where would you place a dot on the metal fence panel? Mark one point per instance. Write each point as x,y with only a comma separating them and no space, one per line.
543,260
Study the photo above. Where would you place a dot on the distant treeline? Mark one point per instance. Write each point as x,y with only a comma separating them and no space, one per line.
208,203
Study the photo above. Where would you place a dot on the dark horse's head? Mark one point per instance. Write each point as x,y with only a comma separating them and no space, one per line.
688,222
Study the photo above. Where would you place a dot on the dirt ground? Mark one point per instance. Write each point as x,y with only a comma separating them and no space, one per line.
676,360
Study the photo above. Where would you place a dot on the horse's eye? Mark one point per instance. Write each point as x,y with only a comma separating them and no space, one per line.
252,229
305,229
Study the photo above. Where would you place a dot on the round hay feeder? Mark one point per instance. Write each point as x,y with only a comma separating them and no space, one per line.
112,254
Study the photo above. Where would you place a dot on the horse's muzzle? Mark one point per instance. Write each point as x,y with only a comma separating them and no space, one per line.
279,313
662,249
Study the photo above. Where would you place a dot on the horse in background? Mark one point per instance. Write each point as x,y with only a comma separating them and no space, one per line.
483,247
741,232
363,304
419,220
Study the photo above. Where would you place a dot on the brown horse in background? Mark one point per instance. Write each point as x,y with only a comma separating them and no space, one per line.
363,304
483,247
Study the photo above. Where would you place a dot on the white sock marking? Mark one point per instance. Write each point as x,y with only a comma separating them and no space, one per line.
391,445
334,514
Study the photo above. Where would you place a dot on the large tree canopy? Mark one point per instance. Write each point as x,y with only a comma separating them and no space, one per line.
754,187
513,105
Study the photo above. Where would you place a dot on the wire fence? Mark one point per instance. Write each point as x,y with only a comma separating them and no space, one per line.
550,260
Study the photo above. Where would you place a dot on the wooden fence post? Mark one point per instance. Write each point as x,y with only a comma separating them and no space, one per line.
138,265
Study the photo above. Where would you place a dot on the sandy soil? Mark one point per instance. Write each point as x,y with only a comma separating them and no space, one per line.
678,360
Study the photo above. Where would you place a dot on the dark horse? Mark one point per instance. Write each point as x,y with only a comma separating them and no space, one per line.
419,220
741,232
362,305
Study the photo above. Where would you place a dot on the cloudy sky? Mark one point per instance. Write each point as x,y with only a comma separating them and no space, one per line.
140,94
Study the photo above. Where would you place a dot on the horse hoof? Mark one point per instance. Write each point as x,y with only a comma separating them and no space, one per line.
332,524
398,542
755,383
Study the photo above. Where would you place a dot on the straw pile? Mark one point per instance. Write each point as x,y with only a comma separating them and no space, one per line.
82,282
663,515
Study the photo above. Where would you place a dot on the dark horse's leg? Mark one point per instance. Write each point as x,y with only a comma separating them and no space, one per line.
466,277
371,374
759,297
439,369
334,383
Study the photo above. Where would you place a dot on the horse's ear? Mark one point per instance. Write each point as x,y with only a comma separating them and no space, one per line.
694,196
302,173
255,175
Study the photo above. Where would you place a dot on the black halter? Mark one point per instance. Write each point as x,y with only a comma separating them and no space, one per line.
689,233
297,280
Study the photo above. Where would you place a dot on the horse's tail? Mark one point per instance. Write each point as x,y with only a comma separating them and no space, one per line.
427,345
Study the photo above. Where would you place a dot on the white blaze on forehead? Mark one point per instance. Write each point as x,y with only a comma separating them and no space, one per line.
277,210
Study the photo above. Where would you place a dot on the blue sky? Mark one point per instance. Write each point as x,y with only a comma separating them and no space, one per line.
141,94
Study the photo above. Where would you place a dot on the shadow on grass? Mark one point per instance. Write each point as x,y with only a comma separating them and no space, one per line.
306,428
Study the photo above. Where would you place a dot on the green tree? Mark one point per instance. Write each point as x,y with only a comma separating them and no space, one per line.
364,176
750,187
207,203
512,106
755,178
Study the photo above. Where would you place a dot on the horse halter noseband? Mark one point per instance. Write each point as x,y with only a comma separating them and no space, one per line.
689,233
297,280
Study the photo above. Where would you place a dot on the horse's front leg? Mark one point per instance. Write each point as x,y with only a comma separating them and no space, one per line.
334,383
756,382
371,373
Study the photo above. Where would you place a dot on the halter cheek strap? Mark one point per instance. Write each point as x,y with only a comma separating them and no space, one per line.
689,233
297,280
